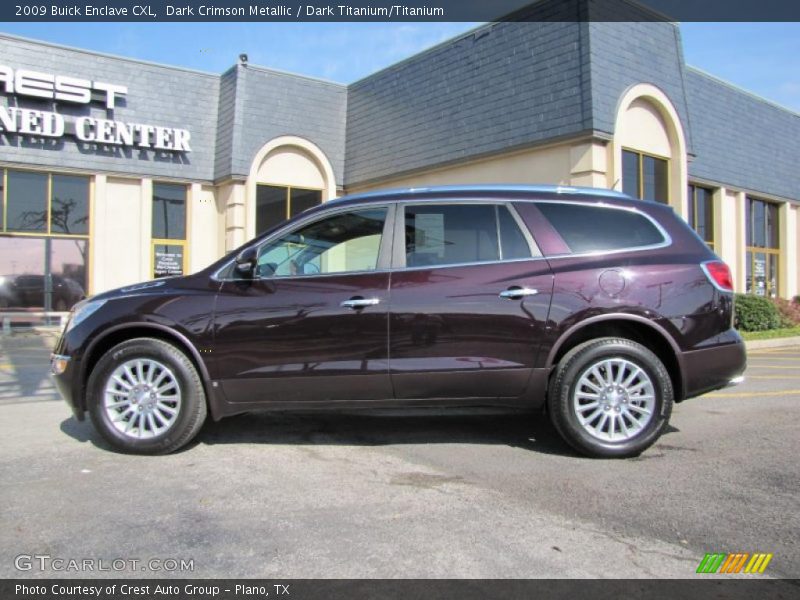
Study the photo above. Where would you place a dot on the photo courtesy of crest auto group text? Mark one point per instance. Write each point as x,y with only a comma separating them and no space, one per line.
367,300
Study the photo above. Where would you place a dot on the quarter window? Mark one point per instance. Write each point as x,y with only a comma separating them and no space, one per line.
342,243
597,229
645,177
449,234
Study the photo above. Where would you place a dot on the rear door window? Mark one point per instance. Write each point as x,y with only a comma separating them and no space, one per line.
586,228
452,234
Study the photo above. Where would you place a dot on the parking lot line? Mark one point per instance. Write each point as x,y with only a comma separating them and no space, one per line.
786,367
772,376
753,394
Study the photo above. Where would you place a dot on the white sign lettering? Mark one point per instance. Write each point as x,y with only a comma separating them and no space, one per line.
24,82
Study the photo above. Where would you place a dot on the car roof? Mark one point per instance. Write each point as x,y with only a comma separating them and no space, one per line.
500,191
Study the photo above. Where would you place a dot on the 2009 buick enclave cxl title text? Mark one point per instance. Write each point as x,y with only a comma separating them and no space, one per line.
604,309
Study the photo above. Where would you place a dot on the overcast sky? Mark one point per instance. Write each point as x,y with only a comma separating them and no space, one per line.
760,57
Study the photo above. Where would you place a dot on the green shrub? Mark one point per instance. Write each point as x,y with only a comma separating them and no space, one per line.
755,313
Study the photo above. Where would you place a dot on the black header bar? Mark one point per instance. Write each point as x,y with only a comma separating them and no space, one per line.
397,589
398,10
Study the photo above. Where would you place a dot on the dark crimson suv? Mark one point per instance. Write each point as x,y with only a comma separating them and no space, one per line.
601,308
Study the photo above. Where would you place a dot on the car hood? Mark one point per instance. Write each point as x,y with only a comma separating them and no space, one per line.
146,288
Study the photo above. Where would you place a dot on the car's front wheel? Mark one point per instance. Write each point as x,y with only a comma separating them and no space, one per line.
610,398
146,397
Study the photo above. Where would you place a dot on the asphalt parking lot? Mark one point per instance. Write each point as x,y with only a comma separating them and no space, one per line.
403,495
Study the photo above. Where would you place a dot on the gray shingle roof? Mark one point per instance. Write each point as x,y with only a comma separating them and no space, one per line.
741,139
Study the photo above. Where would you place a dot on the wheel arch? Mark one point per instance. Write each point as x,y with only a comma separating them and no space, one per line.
633,327
128,331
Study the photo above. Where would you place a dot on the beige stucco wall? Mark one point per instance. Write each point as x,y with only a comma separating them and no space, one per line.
729,229
121,230
648,122
549,165
285,160
796,290
643,128
231,200
121,242
206,244
789,251
289,165
589,164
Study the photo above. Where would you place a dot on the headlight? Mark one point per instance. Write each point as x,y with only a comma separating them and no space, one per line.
82,311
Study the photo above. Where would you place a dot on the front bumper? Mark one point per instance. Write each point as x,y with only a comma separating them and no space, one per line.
715,367
64,370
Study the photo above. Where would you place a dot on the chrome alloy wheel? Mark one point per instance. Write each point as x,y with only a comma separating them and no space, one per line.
614,399
142,398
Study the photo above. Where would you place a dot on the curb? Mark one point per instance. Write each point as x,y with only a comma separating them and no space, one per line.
776,343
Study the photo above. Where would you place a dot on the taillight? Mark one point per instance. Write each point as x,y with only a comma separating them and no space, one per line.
719,274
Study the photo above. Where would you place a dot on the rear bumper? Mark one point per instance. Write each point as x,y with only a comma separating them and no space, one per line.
715,367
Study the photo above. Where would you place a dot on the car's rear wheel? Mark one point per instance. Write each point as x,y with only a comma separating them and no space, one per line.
146,397
610,398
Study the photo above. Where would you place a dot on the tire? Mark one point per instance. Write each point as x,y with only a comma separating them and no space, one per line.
146,397
589,374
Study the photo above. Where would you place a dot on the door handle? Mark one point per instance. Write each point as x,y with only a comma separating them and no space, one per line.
356,303
514,293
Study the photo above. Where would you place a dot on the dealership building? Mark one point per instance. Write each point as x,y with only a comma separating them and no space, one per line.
115,171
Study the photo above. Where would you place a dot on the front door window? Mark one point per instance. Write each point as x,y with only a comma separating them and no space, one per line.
346,242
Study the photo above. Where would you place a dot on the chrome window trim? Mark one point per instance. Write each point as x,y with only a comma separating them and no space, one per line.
469,264
315,275
390,209
497,231
536,252
397,217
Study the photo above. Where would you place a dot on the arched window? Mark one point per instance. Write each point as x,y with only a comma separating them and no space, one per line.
288,175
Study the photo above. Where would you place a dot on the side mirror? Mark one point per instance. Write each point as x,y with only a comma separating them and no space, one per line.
246,262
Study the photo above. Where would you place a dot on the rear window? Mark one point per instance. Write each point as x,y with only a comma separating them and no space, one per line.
450,234
587,228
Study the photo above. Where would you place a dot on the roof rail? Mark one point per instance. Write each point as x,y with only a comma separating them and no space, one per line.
454,189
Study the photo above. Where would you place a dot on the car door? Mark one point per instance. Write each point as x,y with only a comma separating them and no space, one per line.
312,324
470,300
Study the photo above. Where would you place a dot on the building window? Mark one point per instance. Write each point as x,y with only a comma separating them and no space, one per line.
645,176
276,203
763,248
44,240
169,230
701,213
